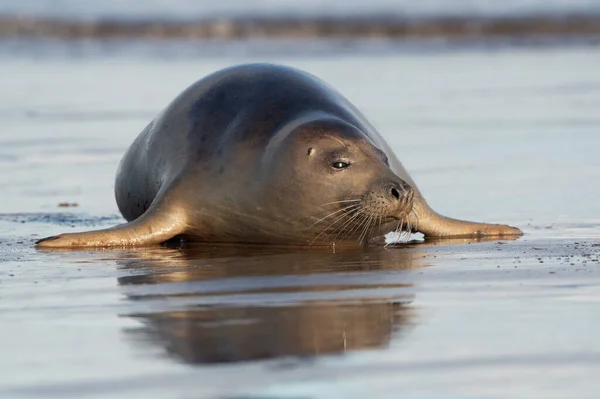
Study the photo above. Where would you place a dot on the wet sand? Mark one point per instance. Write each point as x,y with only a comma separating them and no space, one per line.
500,136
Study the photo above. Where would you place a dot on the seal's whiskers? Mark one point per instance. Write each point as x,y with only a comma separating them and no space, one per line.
353,222
342,201
347,209
365,231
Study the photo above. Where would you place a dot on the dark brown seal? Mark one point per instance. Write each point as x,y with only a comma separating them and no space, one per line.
265,154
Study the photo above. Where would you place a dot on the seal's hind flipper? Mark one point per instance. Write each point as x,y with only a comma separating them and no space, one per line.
155,226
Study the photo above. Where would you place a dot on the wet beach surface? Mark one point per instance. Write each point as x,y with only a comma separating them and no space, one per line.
490,134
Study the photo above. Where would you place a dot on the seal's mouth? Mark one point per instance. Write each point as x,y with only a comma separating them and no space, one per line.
363,218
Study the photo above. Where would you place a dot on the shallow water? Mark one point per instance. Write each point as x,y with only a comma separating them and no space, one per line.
507,135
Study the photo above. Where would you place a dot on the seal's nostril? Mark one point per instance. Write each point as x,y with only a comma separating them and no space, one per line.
396,193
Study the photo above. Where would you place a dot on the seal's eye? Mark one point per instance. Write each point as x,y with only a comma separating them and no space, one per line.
340,165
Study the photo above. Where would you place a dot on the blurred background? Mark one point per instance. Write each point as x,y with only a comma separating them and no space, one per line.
392,20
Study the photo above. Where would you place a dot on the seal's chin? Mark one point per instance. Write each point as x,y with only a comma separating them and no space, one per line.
405,221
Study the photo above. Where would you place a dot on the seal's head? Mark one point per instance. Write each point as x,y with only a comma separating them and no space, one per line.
335,186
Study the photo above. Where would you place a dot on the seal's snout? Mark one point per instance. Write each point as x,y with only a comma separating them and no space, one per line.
389,198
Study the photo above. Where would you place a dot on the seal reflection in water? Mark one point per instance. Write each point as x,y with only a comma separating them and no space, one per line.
265,154
220,305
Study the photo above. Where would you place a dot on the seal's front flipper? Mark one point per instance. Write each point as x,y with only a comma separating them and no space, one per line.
441,226
432,224
155,226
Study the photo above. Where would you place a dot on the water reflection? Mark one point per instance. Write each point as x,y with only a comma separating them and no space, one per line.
208,305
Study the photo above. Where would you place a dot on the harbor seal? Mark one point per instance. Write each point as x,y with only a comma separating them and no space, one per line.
265,154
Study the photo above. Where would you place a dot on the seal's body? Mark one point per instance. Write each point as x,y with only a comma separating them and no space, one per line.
265,154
